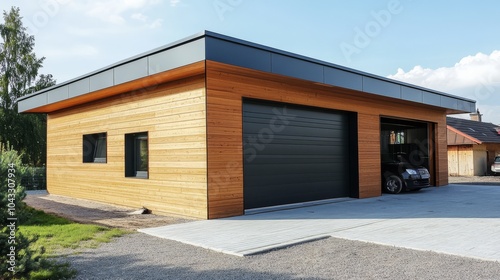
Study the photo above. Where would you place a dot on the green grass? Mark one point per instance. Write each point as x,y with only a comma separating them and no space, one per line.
56,236
56,233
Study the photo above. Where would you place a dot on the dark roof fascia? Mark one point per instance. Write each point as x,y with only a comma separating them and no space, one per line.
272,60
328,64
119,63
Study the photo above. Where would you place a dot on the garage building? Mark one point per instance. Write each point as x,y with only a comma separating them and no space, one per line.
211,126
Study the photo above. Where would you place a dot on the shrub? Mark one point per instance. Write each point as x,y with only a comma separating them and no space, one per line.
34,178
17,259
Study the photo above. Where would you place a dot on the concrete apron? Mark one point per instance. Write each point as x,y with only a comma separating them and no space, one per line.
460,220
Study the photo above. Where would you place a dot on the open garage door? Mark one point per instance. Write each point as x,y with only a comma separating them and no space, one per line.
294,154
408,137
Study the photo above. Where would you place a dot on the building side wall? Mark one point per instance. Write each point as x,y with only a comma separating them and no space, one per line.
370,180
173,114
461,160
453,163
228,85
472,160
440,159
465,158
457,139
480,158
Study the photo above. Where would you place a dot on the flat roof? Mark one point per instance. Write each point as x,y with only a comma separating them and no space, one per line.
220,48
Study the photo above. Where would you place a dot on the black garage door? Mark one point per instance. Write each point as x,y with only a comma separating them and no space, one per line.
293,154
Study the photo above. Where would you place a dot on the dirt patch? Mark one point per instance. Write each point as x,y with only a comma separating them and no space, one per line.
91,212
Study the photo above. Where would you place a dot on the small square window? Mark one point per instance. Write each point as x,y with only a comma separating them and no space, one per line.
136,155
94,147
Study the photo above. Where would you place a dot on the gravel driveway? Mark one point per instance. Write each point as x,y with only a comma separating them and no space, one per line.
139,256
477,180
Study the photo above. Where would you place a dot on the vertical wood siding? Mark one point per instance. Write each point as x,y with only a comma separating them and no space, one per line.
471,160
453,163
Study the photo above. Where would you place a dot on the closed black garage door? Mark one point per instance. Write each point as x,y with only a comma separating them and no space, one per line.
293,154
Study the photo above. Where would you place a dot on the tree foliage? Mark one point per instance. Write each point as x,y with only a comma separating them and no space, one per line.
19,68
18,62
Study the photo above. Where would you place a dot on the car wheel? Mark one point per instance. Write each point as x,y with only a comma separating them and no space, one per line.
393,184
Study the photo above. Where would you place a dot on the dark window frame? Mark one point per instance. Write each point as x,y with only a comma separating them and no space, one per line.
137,155
95,148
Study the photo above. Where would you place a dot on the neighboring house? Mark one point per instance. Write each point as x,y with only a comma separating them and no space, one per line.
472,146
211,126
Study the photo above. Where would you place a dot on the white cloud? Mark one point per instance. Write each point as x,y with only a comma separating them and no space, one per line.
156,24
469,71
140,17
476,77
173,3
75,51
111,11
150,24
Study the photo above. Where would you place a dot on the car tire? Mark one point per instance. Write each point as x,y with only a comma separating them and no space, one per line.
393,184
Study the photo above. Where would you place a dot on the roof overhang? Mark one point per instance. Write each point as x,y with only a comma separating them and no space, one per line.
220,48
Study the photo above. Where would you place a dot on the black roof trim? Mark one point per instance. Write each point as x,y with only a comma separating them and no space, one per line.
208,45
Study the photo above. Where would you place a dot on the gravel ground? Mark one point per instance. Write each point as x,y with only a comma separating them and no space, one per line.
139,256
478,180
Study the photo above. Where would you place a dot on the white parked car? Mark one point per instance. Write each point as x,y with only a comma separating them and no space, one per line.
495,167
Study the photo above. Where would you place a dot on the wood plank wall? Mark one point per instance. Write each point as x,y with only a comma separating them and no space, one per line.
460,160
453,163
228,85
174,115
195,139
441,151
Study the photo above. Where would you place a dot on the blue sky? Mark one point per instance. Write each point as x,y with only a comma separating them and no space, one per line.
452,46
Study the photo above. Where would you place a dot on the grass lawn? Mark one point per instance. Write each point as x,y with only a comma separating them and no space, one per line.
55,234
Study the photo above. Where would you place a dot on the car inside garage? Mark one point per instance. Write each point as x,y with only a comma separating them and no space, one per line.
407,141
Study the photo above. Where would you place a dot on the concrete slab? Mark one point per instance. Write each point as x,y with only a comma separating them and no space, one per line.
461,220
